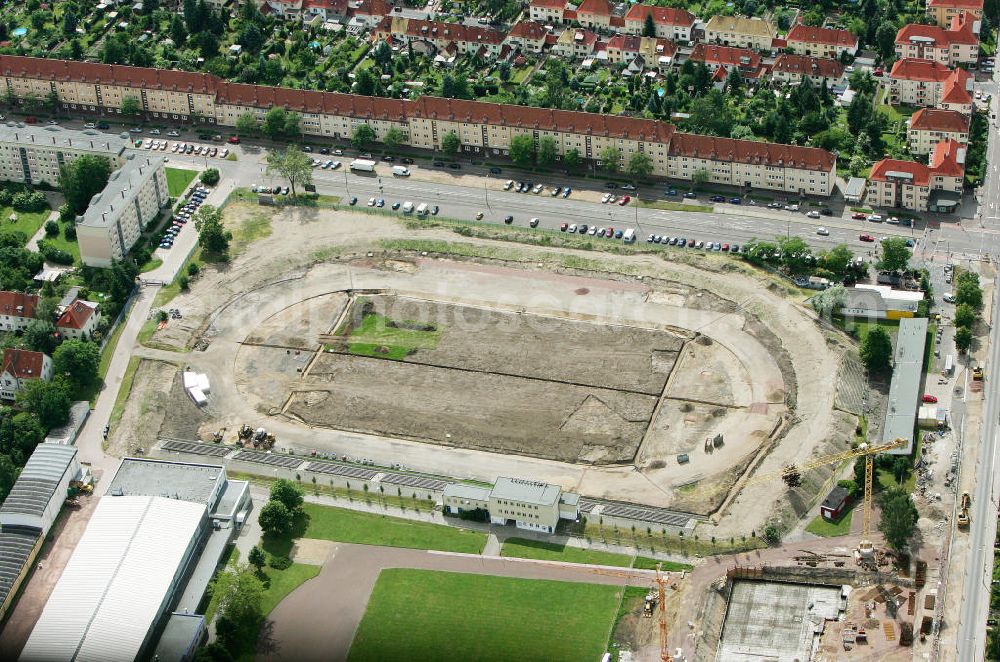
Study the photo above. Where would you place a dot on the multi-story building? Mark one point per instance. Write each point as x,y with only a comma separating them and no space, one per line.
930,84
950,47
527,504
942,12
929,126
468,39
671,23
749,164
821,42
727,58
19,367
34,154
624,48
484,129
597,15
936,187
17,311
528,36
575,44
134,196
818,70
740,31
548,12
79,320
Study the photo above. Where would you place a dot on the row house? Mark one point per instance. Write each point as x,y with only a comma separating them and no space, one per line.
286,9
575,44
468,39
818,70
625,48
749,164
598,15
527,36
484,129
671,23
943,12
950,47
371,12
548,12
79,320
821,42
929,126
19,367
935,187
17,311
326,10
929,84
740,31
724,58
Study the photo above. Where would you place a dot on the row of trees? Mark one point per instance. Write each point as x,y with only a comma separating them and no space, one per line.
278,124
968,303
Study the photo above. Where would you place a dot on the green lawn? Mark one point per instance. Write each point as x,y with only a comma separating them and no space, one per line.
27,222
424,616
256,227
550,551
381,337
124,391
672,206
330,523
827,529
284,582
62,243
178,180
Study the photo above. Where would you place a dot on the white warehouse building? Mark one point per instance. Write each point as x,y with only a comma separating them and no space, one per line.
528,504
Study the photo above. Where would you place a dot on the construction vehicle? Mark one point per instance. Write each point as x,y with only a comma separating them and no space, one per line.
77,487
649,604
792,477
977,373
963,514
218,436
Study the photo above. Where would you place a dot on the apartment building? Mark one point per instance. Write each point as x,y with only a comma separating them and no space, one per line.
17,310
527,36
929,84
548,12
942,12
929,126
935,187
740,31
468,39
575,44
796,68
749,164
726,58
821,42
134,196
658,53
956,45
671,23
19,367
79,320
483,128
34,154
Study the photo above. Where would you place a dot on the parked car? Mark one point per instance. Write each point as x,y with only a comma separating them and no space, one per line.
866,237
611,185
628,187
493,171
509,185
566,192
533,223
813,214
234,140
735,201
624,201
949,297
353,201
563,227
538,189
823,232
508,219
671,192
716,198
928,398
556,190
691,195
455,166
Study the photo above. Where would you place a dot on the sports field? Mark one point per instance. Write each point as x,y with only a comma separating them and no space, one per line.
425,616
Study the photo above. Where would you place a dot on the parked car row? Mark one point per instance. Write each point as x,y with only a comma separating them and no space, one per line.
592,230
183,215
329,164
692,243
274,190
183,148
525,187
611,199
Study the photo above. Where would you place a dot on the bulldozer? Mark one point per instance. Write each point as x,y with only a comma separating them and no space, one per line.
977,374
963,515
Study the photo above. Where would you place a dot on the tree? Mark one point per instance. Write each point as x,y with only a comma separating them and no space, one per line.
51,228
362,136
69,23
365,83
40,336
885,40
83,178
450,143
611,158
49,400
8,475
246,124
251,38
837,260
211,235
963,338
895,254
19,434
876,350
795,254
240,593
965,315
393,138
257,558
699,178
899,517
969,293
177,31
640,165
274,122
213,652
131,106
293,164
275,518
287,493
572,159
292,128
522,149
648,26
210,177
77,360
547,151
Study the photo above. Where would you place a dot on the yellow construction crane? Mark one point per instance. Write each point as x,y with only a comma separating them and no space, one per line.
661,583
792,476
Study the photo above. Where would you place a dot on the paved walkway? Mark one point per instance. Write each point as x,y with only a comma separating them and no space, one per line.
32,244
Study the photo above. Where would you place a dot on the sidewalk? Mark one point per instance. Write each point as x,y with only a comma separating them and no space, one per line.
32,244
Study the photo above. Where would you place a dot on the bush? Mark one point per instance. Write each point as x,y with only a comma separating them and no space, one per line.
210,177
70,232
29,201
53,254
66,212
183,281
51,228
6,197
279,562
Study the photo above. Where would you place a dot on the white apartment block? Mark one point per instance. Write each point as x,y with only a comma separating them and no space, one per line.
929,126
950,47
34,154
134,196
930,84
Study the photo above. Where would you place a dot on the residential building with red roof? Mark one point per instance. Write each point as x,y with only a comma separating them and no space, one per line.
595,14
750,164
796,68
547,12
20,366
929,126
727,57
371,11
17,310
821,42
942,12
655,53
956,45
929,84
575,43
670,22
79,320
325,9
935,187
528,36
469,39
740,32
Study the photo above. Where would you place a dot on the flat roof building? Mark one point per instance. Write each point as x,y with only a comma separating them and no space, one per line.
528,504
37,496
904,390
33,154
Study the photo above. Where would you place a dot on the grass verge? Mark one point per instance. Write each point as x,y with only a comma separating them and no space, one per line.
123,392
458,613
549,551
672,206
632,601
178,180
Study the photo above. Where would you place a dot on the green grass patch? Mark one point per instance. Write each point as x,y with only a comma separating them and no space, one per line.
124,392
342,525
672,206
109,350
62,243
27,222
827,529
154,263
255,227
631,602
178,180
381,337
646,563
549,551
284,582
457,617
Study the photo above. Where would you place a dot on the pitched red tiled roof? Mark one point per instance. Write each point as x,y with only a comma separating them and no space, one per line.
919,173
92,72
961,33
725,56
911,68
811,35
22,363
549,4
934,119
630,43
957,88
569,15
337,6
598,7
810,66
372,8
957,4
617,21
17,304
661,15
418,28
948,159
75,316
749,151
528,30
779,44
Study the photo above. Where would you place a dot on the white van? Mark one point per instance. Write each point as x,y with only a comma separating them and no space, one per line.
400,171
407,207
949,366
629,236
422,209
